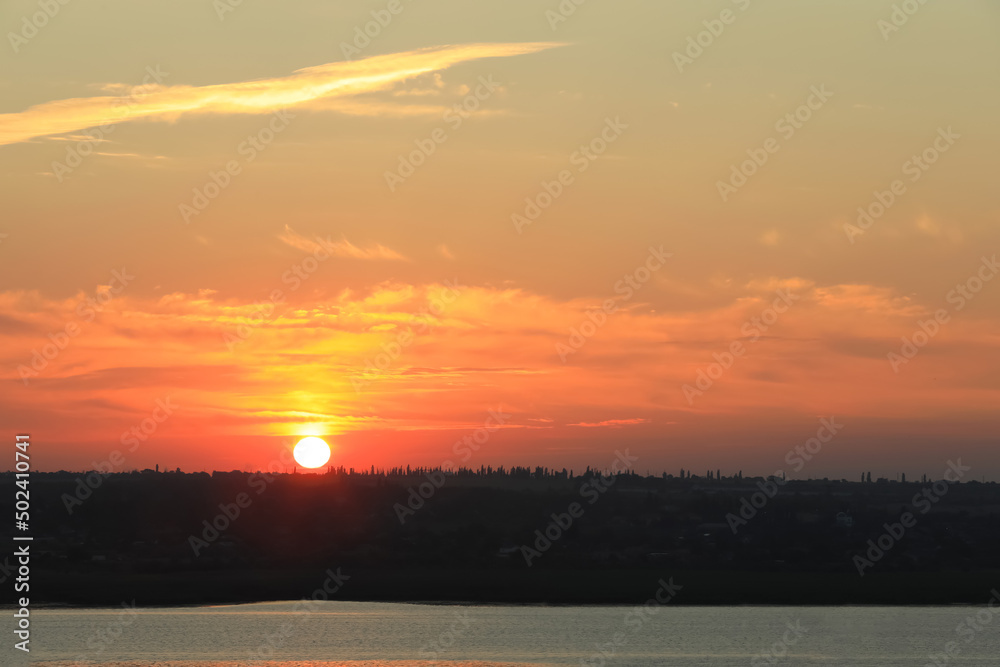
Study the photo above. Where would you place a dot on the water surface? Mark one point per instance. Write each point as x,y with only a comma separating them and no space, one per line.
400,635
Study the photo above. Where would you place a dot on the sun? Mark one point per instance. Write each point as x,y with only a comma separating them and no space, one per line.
311,452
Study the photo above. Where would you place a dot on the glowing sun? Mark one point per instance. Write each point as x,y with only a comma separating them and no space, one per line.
311,452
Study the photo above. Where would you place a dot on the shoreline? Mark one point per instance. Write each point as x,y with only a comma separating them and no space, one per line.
57,606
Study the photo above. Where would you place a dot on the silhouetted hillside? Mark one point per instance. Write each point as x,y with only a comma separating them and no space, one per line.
506,535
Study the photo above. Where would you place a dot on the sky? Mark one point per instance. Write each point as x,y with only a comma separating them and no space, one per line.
689,230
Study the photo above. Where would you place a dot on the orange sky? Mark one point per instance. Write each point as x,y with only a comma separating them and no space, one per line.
488,209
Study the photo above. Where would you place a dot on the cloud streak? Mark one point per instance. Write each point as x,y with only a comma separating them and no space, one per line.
342,248
304,87
612,423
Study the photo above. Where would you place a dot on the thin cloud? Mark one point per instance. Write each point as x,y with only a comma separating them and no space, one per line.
302,88
342,248
611,423
79,137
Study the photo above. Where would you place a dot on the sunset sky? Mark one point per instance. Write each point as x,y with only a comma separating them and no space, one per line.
287,230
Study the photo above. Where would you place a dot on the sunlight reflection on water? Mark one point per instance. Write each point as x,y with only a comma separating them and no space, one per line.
358,634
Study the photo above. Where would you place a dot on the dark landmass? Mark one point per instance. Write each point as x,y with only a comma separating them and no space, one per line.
148,536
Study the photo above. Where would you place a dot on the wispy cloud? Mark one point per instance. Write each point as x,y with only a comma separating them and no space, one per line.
342,248
302,88
611,423
79,137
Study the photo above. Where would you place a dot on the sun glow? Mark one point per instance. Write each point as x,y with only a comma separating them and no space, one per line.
311,452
